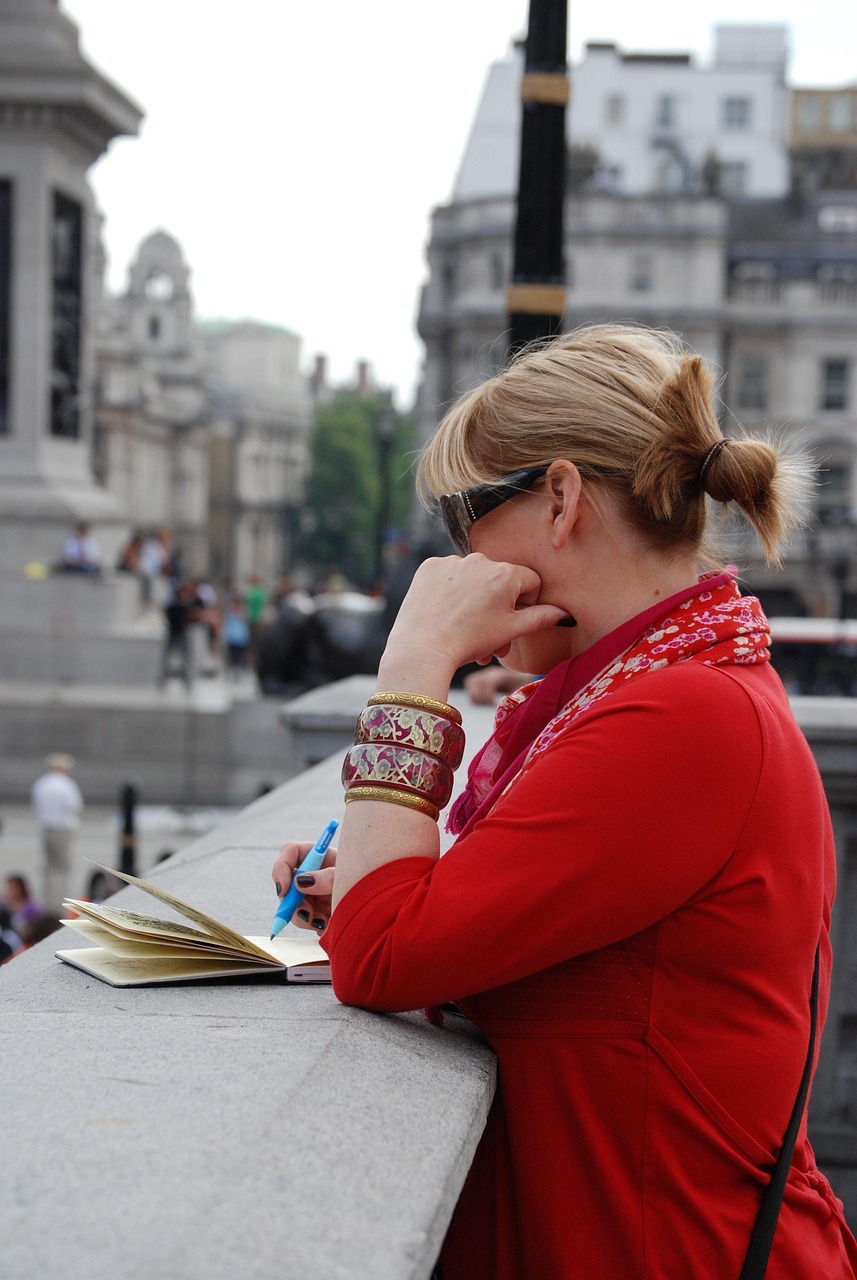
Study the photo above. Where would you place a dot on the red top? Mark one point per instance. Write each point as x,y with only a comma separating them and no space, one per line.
651,1023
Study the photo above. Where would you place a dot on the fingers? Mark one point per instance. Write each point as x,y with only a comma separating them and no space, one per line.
317,883
289,859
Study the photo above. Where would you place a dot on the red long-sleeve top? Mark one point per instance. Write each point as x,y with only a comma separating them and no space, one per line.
632,927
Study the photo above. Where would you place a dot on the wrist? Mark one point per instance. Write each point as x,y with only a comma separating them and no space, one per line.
416,669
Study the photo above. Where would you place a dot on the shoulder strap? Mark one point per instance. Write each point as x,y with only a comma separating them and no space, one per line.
756,1261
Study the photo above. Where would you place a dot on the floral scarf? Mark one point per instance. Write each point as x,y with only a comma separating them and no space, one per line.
710,622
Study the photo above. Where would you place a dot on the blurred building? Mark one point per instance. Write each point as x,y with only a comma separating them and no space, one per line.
260,416
201,427
823,137
758,275
151,410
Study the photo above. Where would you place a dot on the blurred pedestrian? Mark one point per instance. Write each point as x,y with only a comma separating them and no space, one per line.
236,637
81,552
152,563
20,904
58,804
181,612
10,941
255,604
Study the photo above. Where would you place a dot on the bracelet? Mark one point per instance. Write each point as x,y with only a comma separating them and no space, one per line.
417,700
404,768
412,727
391,795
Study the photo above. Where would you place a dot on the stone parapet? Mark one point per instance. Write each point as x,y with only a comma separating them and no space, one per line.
225,1130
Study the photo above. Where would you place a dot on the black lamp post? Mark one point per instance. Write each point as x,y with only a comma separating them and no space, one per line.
385,431
128,798
536,296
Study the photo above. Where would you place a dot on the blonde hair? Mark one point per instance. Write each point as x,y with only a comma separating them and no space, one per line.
632,408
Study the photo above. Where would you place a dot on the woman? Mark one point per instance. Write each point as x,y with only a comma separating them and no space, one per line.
644,867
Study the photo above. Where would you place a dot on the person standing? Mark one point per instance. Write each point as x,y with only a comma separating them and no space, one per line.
180,613
57,804
255,604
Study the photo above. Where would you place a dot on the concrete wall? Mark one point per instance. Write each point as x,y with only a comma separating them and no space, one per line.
228,1130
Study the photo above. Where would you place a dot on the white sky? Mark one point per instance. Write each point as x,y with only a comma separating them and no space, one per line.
295,149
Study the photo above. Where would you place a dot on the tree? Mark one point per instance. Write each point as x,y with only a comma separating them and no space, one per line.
340,520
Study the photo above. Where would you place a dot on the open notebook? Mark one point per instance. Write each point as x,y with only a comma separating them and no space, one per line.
134,950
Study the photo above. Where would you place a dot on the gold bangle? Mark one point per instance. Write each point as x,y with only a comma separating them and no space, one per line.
417,700
391,795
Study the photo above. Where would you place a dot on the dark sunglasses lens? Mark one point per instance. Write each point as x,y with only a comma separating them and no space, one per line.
456,522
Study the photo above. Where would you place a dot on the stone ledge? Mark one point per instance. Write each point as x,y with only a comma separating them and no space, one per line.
222,1130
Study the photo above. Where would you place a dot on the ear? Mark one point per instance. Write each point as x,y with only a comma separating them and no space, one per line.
564,488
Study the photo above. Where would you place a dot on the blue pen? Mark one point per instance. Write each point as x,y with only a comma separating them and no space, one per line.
311,862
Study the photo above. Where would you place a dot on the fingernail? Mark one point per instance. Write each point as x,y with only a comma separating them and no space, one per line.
305,881
279,889
567,622
319,923
304,915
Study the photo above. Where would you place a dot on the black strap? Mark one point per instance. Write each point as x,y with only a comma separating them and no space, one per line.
756,1262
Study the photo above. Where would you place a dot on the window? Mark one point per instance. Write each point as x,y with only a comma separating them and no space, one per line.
614,109
840,113
497,272
733,178
837,282
5,299
66,315
834,385
809,111
665,111
753,383
154,327
640,279
838,217
159,286
736,113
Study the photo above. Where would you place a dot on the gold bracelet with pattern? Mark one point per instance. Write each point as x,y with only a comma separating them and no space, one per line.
417,700
415,727
406,768
391,795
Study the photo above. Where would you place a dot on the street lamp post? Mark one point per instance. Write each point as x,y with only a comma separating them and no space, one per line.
536,297
385,430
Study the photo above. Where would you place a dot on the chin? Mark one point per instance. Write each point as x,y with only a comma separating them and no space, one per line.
536,655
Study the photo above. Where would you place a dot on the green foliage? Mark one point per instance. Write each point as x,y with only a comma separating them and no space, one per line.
341,519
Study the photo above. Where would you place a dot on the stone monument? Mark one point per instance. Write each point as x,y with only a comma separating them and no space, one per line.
58,114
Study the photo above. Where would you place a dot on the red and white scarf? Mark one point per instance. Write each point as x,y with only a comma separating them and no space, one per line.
710,623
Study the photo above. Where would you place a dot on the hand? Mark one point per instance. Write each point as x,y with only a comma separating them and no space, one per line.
314,908
461,610
484,687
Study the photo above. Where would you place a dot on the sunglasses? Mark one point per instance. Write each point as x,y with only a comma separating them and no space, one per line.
461,510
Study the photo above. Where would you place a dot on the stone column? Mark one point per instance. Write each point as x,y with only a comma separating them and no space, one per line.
57,116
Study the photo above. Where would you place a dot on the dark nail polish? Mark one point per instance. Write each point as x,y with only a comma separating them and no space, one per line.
304,915
305,881
567,622
318,923
279,889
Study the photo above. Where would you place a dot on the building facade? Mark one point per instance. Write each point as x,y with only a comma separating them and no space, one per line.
201,428
763,285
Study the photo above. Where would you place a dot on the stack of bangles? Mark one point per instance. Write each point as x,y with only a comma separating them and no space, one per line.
406,747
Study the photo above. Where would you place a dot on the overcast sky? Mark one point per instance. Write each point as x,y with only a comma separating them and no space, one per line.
295,149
